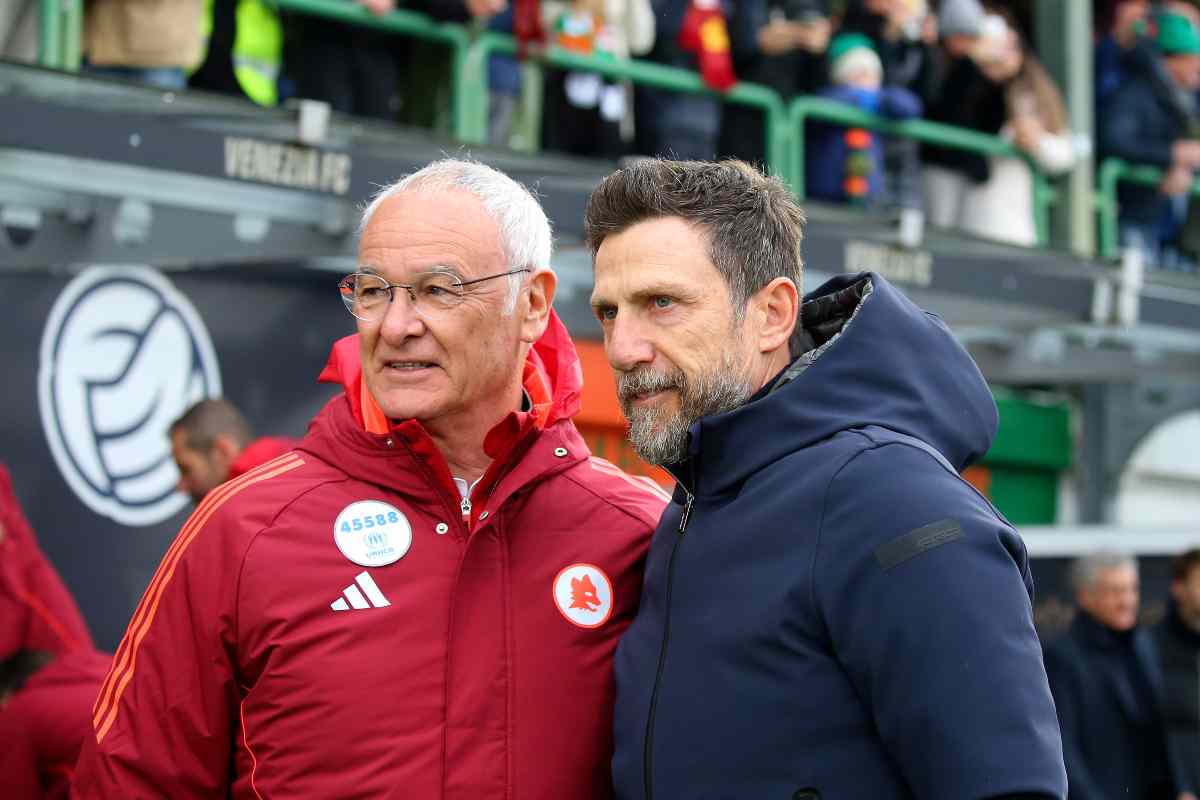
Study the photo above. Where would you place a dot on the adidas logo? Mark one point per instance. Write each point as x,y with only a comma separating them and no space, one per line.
353,598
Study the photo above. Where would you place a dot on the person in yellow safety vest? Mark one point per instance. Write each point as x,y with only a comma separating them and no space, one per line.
243,50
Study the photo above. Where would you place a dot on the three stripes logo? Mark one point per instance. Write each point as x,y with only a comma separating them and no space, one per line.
363,593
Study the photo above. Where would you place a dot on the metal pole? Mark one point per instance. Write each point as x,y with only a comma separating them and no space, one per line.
1064,39
72,35
49,34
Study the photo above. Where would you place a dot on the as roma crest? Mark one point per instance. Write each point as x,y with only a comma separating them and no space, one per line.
583,595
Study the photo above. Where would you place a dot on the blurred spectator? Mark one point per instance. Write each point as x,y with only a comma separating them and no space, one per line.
242,51
981,59
36,610
19,30
789,57
1149,119
584,113
707,36
1106,684
504,84
1178,640
149,41
1001,207
45,713
1123,48
843,164
212,443
354,69
905,35
426,86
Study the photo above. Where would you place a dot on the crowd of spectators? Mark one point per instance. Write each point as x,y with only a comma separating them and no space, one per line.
968,63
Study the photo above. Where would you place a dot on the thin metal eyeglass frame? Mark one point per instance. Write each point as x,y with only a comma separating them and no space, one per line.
409,287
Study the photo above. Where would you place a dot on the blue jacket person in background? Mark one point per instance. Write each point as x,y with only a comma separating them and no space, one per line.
829,610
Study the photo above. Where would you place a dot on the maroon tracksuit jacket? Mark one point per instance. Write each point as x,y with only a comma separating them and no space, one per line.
333,625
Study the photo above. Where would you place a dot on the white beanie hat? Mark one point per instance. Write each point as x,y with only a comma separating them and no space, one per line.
855,60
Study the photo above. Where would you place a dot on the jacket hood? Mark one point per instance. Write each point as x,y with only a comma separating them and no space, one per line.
870,357
258,452
553,378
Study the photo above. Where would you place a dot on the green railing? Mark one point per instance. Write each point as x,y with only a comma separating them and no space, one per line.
1111,172
778,132
806,108
60,34
784,126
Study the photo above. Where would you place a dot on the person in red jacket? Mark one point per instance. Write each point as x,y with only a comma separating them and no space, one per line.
213,443
424,598
45,716
36,610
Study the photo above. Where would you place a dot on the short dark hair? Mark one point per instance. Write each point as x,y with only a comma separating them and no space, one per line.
208,419
1183,564
753,223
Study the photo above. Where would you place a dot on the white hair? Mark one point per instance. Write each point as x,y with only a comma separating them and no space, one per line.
1086,569
524,230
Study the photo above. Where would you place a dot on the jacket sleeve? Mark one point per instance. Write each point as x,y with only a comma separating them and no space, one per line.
925,594
1121,132
164,717
36,610
899,103
1064,682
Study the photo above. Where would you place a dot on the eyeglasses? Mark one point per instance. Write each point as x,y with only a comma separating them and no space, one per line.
368,295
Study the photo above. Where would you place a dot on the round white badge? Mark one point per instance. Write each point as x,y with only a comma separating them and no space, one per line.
372,533
583,595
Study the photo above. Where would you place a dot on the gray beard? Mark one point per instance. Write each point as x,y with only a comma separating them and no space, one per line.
659,435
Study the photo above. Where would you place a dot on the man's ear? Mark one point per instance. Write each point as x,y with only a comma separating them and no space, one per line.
534,308
776,304
225,451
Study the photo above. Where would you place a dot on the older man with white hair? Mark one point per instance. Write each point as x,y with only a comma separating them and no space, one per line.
1107,688
423,599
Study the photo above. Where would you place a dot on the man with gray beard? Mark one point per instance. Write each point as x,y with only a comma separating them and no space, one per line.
829,610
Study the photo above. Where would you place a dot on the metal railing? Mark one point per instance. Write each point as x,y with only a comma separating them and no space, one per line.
784,124
1111,172
778,133
60,34
820,108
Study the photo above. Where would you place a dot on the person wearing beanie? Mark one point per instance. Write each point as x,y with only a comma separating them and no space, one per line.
1148,120
905,35
960,23
960,17
846,164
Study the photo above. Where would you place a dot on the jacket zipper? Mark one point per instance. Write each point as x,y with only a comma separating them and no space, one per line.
647,753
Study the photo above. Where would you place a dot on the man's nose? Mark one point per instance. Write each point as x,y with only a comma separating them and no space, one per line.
627,346
401,318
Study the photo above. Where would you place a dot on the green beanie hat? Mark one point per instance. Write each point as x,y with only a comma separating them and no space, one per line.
845,42
1177,36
